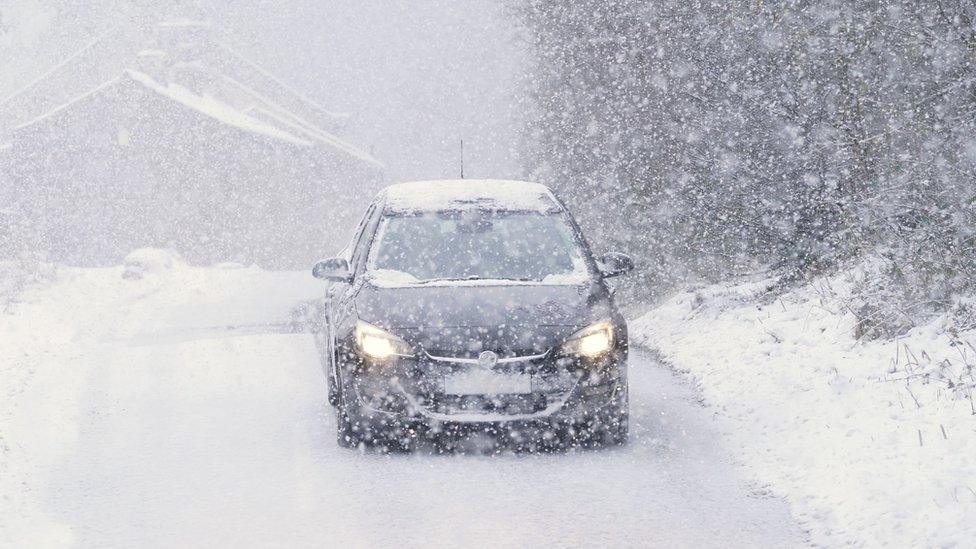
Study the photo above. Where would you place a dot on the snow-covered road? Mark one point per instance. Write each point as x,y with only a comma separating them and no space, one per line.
158,426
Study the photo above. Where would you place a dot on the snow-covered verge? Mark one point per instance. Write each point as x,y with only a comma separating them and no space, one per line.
871,443
20,351
36,334
53,335
16,275
174,406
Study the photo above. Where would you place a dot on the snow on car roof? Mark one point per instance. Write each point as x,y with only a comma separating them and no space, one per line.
495,194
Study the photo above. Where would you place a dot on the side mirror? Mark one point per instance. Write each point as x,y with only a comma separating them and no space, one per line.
336,269
615,264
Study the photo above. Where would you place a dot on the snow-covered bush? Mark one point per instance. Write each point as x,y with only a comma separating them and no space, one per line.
20,273
148,261
902,291
953,377
20,264
870,442
229,265
709,138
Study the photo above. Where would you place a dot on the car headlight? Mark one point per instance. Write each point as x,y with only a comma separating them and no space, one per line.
591,341
378,343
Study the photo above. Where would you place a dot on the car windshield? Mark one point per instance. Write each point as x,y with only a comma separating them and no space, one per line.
475,245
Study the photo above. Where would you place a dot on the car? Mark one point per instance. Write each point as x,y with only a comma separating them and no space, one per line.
473,306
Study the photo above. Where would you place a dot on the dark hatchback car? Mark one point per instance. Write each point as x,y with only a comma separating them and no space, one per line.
473,306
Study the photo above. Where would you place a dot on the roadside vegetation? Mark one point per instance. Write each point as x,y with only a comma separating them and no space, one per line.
797,183
712,139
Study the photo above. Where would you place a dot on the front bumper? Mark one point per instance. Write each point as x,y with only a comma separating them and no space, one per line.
411,391
573,404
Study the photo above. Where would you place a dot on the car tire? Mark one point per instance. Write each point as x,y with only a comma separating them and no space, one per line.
354,431
607,426
333,393
348,435
350,428
617,420
617,429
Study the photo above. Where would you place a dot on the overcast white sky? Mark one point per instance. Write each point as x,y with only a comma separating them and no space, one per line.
417,76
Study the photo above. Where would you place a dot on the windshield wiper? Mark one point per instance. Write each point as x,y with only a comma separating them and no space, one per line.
448,279
474,277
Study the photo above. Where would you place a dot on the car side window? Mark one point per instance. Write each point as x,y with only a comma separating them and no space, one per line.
362,239
347,251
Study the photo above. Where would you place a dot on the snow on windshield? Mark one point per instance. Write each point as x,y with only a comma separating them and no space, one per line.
475,245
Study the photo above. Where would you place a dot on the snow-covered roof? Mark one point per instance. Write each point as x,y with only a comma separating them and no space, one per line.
61,108
275,110
214,108
183,23
302,134
494,194
267,109
205,105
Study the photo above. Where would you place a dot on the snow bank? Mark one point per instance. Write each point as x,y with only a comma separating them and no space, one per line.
145,261
47,329
52,343
17,275
871,443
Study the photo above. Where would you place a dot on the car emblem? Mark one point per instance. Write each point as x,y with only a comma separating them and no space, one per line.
487,359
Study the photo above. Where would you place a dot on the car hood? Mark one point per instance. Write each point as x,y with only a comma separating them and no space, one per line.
528,316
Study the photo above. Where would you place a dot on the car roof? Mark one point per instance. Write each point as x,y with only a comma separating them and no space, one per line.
462,194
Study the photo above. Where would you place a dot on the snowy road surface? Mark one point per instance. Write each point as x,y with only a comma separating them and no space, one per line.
147,422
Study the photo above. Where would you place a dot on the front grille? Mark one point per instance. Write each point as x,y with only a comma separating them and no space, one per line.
472,357
423,381
446,362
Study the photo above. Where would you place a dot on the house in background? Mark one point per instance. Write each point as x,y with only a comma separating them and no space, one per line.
170,138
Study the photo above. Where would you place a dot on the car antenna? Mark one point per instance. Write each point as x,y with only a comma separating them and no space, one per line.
462,158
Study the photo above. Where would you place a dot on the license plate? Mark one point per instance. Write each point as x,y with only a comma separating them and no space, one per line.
486,382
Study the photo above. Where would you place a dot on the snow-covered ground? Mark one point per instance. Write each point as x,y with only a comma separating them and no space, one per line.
179,408
871,443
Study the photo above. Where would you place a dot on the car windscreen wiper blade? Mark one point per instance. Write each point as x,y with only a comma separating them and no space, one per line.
473,277
445,279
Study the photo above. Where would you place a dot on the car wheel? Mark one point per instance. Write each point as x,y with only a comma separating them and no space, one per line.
347,433
349,426
617,420
353,431
608,426
616,430
333,394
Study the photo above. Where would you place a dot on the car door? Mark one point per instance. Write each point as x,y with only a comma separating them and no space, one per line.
338,300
